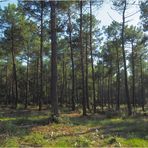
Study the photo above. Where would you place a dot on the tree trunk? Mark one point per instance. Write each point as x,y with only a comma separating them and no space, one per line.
41,57
63,81
26,98
92,66
72,61
102,90
7,87
142,87
124,62
82,63
86,73
14,69
108,92
118,82
37,81
133,77
54,99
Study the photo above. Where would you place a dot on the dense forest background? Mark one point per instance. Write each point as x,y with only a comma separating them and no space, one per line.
55,54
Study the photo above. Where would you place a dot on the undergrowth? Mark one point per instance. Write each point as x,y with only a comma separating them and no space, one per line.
34,129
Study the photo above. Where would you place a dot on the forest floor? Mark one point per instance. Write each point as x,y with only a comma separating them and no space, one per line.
31,128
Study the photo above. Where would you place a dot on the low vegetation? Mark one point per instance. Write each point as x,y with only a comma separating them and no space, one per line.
32,128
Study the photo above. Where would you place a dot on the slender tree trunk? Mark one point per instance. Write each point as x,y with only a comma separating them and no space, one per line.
12,93
92,66
99,92
82,63
46,85
77,91
14,69
54,98
72,61
86,71
63,81
118,82
124,62
27,80
7,87
41,57
102,90
9,92
37,81
142,87
133,77
111,91
108,94
34,84
66,83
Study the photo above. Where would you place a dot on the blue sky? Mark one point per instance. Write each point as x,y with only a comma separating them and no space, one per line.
5,2
105,13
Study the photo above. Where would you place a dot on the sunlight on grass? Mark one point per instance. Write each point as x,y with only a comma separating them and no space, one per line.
33,129
79,141
35,139
133,142
7,118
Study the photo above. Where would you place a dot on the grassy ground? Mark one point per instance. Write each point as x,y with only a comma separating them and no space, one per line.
31,128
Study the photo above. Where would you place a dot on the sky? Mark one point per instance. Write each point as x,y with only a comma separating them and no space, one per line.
105,13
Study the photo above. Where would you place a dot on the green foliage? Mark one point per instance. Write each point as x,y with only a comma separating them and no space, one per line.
112,140
11,142
133,142
79,141
82,142
35,139
21,32
144,14
61,142
32,129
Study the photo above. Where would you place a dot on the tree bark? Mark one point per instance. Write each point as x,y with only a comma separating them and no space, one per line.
133,77
124,62
14,68
92,66
72,61
82,63
86,73
142,87
118,82
37,81
27,81
63,81
54,99
41,57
